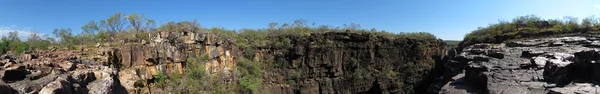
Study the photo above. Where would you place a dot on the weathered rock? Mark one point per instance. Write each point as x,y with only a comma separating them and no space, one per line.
566,65
495,54
585,88
6,61
474,73
68,66
78,89
477,49
60,86
6,89
128,79
14,73
328,63
557,71
36,75
83,77
101,86
539,62
6,56
529,54
32,89
572,39
557,43
27,57
530,43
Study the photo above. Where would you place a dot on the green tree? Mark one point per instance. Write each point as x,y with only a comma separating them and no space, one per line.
273,25
113,25
4,45
14,43
65,36
571,23
37,41
88,35
136,21
90,28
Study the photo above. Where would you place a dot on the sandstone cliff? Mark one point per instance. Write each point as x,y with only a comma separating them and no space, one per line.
334,62
348,63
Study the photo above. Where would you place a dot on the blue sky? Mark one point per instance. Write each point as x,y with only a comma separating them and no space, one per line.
447,19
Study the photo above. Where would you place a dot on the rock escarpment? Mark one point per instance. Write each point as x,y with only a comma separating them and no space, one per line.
129,68
564,65
140,64
334,62
348,63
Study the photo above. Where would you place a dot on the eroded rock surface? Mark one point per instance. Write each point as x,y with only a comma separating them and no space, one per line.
348,63
565,65
334,62
128,68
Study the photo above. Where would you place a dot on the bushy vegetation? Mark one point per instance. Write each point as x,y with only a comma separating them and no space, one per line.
530,26
451,43
251,78
195,80
16,46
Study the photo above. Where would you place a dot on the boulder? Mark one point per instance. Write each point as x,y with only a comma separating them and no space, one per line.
32,89
101,86
79,89
68,66
6,89
539,62
36,75
60,86
128,79
14,73
27,57
6,61
474,73
587,65
557,70
83,77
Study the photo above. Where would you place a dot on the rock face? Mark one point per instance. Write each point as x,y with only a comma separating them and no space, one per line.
348,63
335,62
141,63
102,86
565,65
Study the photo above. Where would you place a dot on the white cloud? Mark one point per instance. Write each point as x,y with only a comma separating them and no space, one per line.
598,6
23,32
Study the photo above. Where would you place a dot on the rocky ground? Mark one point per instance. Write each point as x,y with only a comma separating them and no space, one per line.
64,72
563,65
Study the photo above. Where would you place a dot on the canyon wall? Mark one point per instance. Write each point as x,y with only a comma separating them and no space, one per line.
339,62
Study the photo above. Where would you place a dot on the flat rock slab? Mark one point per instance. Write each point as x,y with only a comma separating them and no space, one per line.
565,65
